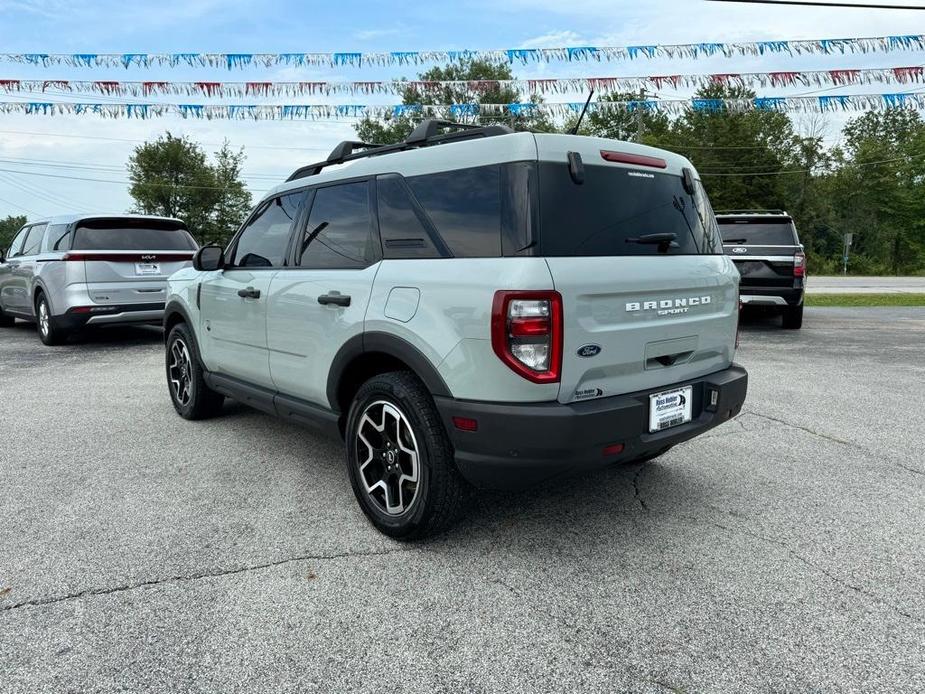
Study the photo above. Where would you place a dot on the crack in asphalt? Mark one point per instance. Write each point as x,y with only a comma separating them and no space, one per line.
806,429
636,493
93,592
831,576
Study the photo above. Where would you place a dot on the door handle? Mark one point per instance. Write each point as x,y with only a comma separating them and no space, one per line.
249,293
335,298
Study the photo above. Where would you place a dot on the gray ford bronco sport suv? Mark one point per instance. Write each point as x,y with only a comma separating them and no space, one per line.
471,306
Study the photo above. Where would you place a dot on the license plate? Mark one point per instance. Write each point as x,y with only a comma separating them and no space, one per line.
670,408
147,268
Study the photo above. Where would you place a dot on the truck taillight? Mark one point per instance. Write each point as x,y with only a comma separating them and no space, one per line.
799,264
526,333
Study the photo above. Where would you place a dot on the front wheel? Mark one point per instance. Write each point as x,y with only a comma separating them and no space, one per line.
191,397
400,460
50,333
793,317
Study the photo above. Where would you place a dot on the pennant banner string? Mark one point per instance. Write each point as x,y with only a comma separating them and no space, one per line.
230,61
561,85
852,102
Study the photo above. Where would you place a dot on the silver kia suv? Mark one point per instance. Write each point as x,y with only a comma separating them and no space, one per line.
68,273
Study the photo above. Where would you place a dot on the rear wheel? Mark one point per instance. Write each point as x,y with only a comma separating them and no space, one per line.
400,460
50,333
191,397
793,317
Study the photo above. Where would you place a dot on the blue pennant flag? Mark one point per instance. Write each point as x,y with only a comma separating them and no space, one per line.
84,59
36,58
522,55
711,48
136,110
460,55
895,100
403,57
770,103
708,104
908,42
233,60
773,47
129,59
464,109
581,53
187,110
347,59
39,107
828,102
647,51
291,58
519,109
191,59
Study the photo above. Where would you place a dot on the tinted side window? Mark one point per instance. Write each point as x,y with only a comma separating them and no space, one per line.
339,229
34,240
403,229
58,238
265,239
465,207
16,244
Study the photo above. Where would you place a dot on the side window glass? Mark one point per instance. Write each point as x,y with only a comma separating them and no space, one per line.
16,245
339,230
34,240
265,239
58,238
465,207
403,232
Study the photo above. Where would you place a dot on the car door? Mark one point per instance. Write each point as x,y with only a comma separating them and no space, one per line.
319,303
7,267
19,285
233,300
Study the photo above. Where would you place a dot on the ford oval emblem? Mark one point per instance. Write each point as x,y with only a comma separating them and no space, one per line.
740,249
589,351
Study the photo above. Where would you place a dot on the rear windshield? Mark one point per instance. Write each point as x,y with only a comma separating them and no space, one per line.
615,208
132,235
763,233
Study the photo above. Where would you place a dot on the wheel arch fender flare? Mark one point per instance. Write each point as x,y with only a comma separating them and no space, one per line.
389,345
174,309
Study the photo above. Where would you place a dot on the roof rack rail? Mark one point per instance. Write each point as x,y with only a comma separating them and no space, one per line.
428,133
774,212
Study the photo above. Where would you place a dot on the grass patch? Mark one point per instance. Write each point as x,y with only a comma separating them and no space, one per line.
864,299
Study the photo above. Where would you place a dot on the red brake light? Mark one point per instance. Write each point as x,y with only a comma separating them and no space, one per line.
799,264
526,333
637,159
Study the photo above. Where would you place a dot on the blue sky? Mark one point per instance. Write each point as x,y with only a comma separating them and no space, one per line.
53,144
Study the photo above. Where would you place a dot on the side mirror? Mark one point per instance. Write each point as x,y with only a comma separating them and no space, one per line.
209,258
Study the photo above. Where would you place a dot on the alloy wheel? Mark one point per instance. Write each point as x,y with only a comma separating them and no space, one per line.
44,319
387,457
180,372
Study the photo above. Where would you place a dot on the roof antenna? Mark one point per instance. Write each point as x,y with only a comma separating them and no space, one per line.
574,130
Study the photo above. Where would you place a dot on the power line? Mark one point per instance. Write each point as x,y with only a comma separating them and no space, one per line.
820,3
805,171
18,206
123,182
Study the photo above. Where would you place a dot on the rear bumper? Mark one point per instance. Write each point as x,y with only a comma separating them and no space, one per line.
130,314
756,295
520,444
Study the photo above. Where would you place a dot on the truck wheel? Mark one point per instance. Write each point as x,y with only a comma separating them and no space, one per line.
50,333
400,460
793,317
191,397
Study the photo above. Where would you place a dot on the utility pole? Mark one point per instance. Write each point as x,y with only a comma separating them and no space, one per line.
640,124
849,238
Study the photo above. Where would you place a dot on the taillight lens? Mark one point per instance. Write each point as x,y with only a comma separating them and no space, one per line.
526,333
799,265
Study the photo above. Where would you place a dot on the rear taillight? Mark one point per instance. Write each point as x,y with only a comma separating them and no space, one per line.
799,264
526,333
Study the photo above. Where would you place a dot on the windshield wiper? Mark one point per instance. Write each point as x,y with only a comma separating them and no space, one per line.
664,241
731,241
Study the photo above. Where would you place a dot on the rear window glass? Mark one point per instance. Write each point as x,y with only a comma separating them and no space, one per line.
131,235
763,233
612,212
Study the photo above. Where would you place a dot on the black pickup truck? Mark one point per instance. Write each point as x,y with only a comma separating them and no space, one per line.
765,248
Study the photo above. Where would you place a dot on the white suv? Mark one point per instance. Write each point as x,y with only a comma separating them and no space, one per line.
469,306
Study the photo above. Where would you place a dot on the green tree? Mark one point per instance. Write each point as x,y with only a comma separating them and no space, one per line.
173,177
627,124
478,81
8,229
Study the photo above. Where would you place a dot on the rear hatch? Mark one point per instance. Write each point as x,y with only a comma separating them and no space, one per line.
639,313
127,261
763,249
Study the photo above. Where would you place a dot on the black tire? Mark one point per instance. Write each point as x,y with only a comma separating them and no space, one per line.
50,331
793,317
191,397
438,491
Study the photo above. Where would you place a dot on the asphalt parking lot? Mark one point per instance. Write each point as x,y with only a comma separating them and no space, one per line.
784,551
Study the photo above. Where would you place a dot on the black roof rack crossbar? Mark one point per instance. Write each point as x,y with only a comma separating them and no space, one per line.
426,134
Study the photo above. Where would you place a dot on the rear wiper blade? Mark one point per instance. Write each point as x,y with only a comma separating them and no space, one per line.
654,238
663,241
731,241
